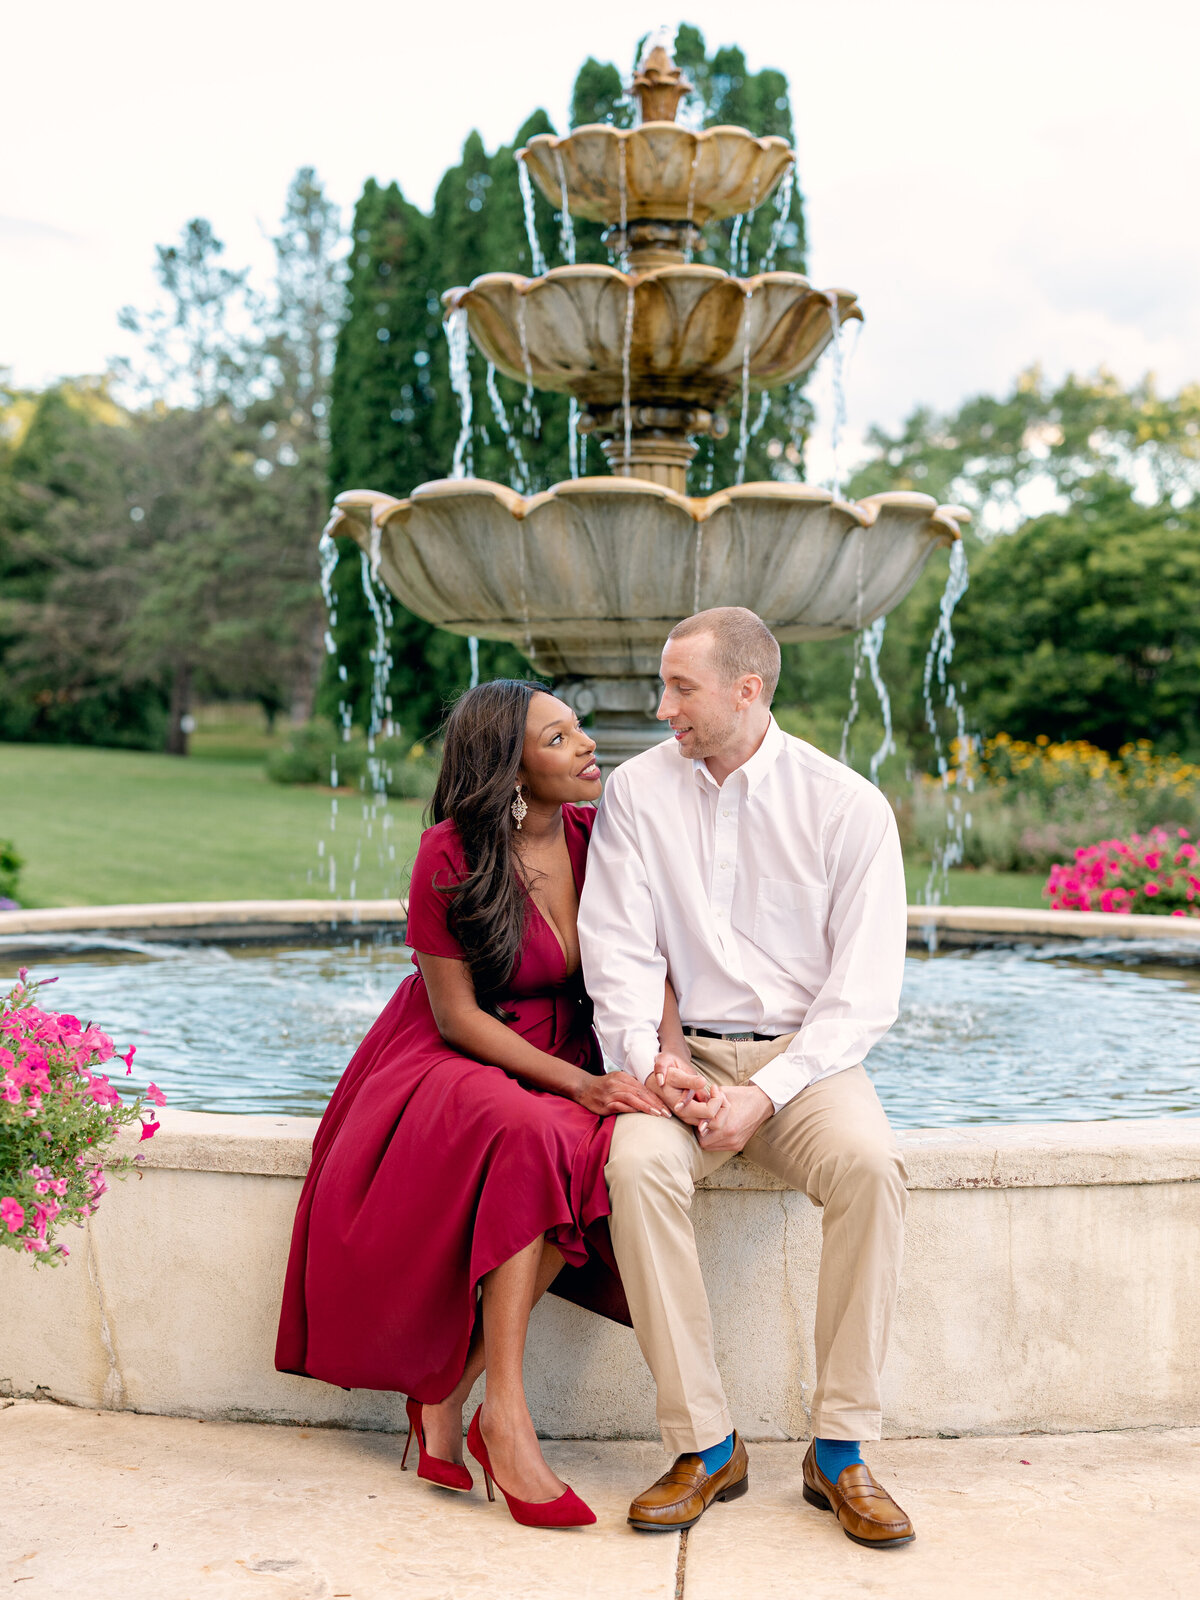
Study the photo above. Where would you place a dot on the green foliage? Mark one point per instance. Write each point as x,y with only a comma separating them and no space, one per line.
395,419
318,753
11,863
1084,625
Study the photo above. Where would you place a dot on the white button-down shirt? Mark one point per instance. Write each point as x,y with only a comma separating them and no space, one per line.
773,902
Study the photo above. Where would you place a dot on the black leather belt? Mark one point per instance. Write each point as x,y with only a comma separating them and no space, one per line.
733,1038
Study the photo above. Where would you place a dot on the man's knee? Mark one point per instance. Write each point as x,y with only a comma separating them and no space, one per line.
647,1158
868,1167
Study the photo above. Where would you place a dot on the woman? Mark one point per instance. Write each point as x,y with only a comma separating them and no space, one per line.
459,1168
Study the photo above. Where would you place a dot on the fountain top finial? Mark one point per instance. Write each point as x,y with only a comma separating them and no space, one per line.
658,84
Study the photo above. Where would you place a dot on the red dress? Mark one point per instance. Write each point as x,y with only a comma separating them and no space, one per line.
430,1168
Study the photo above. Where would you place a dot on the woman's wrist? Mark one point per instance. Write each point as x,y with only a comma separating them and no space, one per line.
578,1085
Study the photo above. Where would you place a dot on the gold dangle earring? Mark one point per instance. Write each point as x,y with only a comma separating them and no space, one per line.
519,808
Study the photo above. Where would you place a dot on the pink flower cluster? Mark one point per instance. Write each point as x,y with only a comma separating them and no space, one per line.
58,1114
1158,872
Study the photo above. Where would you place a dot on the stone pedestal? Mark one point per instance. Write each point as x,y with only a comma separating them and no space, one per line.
622,712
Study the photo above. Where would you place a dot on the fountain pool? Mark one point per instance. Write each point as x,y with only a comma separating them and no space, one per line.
1065,1032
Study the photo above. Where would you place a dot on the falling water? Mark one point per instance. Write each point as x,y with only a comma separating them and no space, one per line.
937,666
518,476
573,435
735,237
626,353
623,196
524,592
744,426
783,206
566,228
872,644
743,266
533,420
473,649
691,203
458,339
838,421
537,261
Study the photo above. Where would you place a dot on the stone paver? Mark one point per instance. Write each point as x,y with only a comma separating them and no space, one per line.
117,1506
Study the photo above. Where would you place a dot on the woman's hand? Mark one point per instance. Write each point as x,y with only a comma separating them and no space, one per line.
611,1093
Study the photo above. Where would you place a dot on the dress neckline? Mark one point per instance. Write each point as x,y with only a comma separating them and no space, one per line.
575,837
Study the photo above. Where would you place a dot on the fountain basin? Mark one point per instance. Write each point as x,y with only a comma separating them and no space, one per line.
589,577
666,171
694,331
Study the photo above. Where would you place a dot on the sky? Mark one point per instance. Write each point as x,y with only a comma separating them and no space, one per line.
1001,184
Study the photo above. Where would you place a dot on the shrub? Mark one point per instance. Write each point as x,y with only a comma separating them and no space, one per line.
10,874
58,1116
317,752
1157,873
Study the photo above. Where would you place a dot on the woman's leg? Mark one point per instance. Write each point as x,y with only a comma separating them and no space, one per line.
516,1455
443,1423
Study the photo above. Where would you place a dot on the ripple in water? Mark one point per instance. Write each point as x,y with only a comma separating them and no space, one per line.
1051,1035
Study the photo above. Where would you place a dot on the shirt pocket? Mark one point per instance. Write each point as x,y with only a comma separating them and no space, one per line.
789,918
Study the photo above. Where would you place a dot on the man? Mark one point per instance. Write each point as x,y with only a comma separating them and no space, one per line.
763,880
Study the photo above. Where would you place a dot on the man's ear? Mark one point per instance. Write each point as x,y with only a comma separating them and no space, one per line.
750,689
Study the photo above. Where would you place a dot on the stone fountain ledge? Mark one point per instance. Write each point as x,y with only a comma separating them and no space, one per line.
277,919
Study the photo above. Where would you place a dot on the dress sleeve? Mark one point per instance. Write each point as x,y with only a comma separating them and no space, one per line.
437,863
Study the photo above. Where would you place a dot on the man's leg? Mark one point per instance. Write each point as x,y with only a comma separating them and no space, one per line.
834,1142
652,1172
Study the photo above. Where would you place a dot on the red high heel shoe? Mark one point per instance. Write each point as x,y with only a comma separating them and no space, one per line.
448,1474
568,1511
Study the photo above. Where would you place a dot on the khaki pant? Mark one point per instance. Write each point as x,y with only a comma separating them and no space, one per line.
834,1142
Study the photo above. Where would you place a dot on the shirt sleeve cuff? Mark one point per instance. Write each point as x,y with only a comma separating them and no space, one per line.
639,1058
782,1080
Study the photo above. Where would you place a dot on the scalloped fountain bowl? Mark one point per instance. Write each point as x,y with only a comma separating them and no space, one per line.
590,576
692,329
666,171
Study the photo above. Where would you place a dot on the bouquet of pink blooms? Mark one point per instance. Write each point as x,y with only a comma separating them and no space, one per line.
1158,872
58,1115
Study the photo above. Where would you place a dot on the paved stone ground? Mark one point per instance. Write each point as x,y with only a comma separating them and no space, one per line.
114,1506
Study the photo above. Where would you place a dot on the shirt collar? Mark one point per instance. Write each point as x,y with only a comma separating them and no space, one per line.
759,764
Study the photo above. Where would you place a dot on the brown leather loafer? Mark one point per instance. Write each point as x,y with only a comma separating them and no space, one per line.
865,1509
682,1495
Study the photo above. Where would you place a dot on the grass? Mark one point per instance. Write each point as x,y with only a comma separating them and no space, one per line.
105,827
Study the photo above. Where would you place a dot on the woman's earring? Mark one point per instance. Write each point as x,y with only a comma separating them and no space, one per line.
519,808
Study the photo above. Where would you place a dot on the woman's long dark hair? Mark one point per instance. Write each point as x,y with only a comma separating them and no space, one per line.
477,784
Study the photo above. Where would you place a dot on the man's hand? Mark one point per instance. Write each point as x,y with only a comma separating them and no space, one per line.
734,1122
676,1082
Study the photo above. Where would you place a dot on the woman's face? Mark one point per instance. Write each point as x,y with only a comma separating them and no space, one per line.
557,764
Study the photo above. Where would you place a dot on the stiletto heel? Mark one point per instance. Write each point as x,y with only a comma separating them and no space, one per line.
446,1474
568,1511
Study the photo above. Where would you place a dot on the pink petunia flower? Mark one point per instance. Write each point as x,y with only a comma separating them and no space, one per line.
155,1093
128,1059
12,1213
149,1129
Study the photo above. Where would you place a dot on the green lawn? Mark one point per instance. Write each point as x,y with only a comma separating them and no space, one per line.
104,827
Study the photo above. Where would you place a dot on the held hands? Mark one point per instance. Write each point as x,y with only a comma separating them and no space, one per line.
686,1093
611,1093
731,1125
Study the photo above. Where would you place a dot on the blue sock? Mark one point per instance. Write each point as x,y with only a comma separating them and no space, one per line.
835,1455
716,1456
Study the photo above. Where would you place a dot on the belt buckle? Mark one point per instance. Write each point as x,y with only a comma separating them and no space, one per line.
740,1038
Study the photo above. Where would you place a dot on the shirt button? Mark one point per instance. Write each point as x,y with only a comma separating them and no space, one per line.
724,813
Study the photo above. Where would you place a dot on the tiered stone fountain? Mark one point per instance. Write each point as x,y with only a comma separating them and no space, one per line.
588,577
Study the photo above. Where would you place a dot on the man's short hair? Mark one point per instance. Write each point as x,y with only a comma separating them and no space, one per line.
742,643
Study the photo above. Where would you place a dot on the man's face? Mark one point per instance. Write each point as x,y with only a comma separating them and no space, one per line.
700,705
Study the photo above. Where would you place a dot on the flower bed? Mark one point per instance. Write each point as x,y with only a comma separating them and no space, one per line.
1157,873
